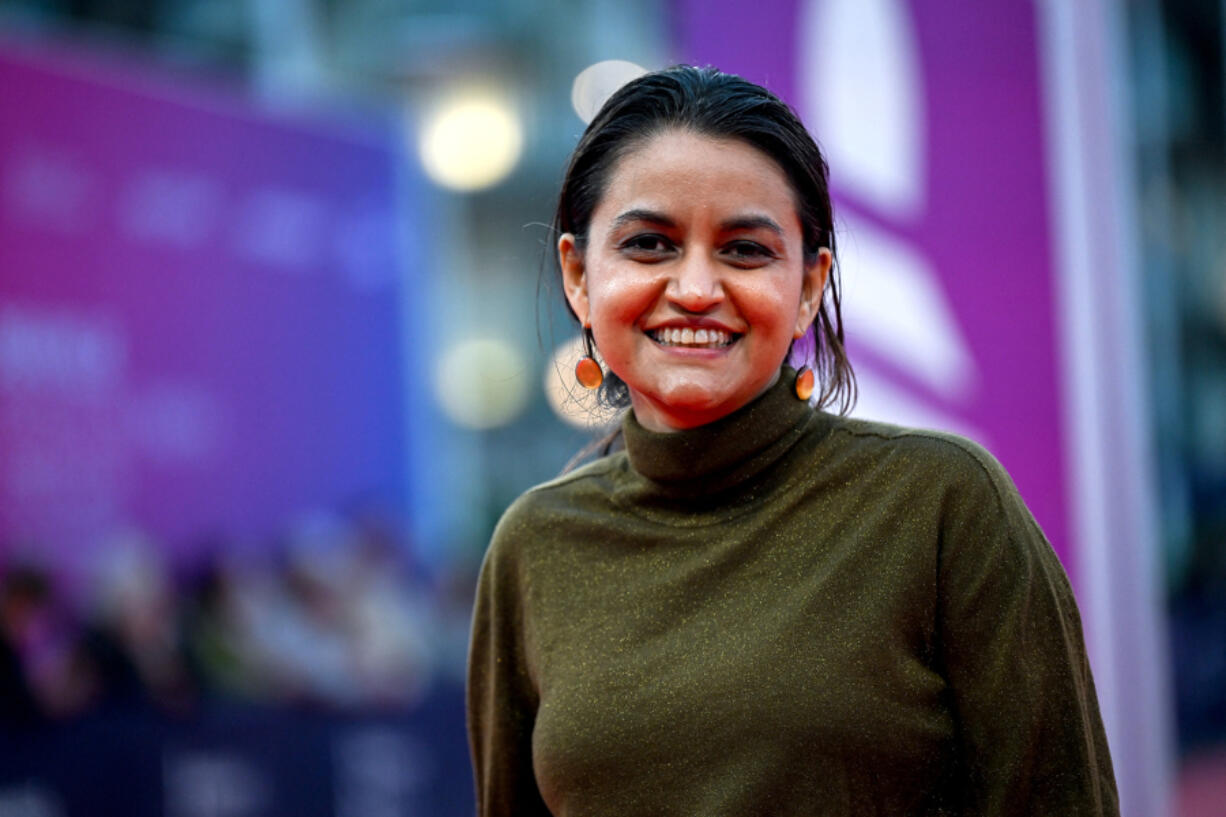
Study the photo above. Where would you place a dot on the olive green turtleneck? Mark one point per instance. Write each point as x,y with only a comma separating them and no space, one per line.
781,613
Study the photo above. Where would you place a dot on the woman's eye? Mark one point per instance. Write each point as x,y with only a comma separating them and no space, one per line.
748,252
649,244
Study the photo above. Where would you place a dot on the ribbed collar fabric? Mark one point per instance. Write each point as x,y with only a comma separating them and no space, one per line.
729,451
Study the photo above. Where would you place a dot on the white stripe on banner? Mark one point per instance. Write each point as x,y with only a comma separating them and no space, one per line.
1097,250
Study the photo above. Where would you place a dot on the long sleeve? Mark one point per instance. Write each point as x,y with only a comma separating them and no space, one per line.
502,698
1031,737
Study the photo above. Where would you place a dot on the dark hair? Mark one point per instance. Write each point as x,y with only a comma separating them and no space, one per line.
711,103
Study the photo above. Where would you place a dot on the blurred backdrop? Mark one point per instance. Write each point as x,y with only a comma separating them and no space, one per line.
279,342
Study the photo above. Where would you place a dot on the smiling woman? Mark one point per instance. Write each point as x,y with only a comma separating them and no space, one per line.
759,607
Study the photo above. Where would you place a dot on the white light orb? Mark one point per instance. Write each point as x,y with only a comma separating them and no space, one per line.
471,141
575,405
596,83
481,383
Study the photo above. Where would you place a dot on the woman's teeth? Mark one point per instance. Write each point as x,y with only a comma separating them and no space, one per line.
706,338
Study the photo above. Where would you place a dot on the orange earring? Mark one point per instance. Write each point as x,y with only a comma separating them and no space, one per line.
587,370
804,383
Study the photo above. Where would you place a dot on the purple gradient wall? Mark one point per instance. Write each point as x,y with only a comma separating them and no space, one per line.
199,310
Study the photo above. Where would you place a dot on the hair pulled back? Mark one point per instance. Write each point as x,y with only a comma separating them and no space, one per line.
711,103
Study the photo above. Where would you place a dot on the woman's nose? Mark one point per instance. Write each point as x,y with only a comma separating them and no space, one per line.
695,285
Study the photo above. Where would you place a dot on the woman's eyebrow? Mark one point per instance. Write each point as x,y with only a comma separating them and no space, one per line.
751,223
641,214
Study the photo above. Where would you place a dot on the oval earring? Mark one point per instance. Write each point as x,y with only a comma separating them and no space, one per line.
587,370
804,384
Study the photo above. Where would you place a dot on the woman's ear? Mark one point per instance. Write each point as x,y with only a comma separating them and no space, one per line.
574,281
812,288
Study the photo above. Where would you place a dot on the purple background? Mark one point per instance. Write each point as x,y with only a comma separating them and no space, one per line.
984,225
240,368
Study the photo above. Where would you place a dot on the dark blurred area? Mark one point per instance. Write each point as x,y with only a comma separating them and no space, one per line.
332,617
1179,81
330,657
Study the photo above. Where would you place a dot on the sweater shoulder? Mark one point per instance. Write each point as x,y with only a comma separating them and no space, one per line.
976,496
596,477
546,504
927,453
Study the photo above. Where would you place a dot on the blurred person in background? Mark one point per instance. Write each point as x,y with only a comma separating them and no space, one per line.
216,632
134,645
758,606
43,671
391,618
337,624
24,614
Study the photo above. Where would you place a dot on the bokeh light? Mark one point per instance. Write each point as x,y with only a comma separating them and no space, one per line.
597,82
482,383
471,141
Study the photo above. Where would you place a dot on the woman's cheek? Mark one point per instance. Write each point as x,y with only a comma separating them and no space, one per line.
764,304
624,298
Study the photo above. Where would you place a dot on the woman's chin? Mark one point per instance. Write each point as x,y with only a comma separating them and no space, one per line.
686,406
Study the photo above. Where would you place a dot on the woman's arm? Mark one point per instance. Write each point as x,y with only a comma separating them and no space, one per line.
502,698
1031,737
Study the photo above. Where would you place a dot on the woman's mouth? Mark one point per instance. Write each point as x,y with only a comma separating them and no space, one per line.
692,338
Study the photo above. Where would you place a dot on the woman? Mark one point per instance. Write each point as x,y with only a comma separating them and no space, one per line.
758,607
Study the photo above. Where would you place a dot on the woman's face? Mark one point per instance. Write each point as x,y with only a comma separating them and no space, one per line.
693,278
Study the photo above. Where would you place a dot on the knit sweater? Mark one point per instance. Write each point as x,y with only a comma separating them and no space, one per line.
781,613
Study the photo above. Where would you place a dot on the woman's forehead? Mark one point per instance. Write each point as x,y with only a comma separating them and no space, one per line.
681,174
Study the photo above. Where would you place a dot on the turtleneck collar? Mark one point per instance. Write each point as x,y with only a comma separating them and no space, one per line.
728,451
